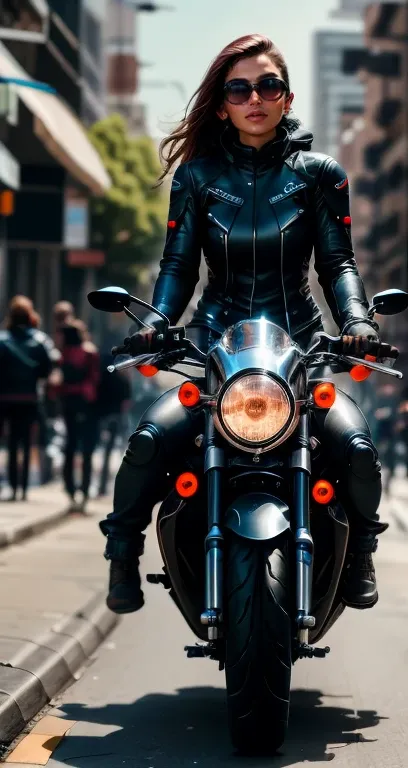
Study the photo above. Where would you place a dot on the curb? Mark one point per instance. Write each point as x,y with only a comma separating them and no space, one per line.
29,529
37,670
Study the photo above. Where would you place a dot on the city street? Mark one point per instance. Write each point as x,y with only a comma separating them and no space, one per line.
143,704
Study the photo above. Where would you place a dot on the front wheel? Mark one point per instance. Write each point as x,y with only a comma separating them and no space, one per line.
258,642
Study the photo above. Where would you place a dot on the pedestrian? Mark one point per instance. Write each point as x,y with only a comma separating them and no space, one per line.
385,415
78,393
114,401
27,356
63,314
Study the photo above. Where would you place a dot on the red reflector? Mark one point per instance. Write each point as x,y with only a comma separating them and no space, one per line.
186,485
360,373
324,394
171,224
347,220
189,394
323,492
147,370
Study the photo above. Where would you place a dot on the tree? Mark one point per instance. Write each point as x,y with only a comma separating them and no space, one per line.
129,222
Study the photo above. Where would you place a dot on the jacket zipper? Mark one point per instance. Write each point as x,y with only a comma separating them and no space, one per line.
226,262
253,244
283,286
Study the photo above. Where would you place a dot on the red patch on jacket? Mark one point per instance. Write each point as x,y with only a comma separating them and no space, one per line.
171,224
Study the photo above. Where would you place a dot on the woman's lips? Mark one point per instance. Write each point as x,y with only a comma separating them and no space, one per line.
256,118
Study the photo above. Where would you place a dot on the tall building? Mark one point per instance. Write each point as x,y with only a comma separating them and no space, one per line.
350,9
355,9
59,167
379,156
123,65
334,89
85,20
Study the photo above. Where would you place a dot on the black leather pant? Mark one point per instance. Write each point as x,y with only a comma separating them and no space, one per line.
166,434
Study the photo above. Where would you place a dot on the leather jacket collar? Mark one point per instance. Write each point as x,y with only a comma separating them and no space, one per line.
270,154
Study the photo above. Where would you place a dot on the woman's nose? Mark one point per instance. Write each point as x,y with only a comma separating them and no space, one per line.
254,97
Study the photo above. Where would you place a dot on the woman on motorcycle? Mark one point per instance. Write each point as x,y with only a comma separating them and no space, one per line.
251,195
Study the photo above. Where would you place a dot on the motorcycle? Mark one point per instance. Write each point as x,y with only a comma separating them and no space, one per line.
254,535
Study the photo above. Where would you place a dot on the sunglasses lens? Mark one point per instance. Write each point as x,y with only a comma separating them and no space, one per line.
271,89
238,93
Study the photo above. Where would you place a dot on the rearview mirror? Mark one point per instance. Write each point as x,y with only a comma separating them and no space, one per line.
390,302
111,299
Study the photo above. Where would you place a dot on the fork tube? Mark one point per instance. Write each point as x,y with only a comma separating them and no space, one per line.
301,466
214,464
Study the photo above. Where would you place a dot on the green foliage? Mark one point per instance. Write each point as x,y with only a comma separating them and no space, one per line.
129,222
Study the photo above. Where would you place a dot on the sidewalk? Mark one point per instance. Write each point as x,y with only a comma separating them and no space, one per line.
52,604
46,506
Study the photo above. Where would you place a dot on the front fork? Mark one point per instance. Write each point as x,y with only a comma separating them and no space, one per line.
214,543
301,466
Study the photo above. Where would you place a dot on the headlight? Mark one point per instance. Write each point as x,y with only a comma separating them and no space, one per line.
255,408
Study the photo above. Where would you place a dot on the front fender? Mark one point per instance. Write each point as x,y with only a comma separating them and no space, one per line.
257,516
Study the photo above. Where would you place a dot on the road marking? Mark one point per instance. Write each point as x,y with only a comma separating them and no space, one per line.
38,746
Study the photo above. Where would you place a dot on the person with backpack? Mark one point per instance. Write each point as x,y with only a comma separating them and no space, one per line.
78,393
27,356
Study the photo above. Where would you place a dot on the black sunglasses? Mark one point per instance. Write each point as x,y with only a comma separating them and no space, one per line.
269,89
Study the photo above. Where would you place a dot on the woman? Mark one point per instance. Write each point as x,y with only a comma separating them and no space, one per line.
26,356
79,391
252,196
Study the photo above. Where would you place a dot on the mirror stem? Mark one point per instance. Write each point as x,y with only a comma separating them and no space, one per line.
133,317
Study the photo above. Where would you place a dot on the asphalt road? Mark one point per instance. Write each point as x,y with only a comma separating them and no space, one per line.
142,704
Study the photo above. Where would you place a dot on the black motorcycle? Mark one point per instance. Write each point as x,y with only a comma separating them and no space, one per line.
260,500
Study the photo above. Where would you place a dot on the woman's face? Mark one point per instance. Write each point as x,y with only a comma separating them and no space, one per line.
256,119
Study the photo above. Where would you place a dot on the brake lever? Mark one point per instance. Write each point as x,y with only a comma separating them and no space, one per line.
373,366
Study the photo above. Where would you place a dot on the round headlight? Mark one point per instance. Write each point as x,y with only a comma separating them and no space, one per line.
255,408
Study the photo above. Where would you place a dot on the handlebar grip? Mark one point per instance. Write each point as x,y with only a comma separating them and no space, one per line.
122,349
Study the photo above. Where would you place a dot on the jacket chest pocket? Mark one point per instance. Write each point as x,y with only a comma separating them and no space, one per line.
289,206
222,209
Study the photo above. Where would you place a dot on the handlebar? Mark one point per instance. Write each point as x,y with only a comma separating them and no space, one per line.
183,349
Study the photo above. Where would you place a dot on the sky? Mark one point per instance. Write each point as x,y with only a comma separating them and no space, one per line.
179,45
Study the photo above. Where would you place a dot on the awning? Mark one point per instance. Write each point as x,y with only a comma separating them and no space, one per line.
59,129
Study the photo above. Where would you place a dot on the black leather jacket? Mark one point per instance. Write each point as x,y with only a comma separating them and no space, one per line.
257,216
26,356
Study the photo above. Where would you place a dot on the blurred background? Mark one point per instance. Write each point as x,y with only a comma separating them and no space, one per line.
77,208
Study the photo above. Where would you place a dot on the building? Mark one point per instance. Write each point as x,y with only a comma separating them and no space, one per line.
354,9
378,156
59,168
85,20
123,66
334,89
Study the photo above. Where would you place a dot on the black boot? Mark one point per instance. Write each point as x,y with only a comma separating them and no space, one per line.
125,594
360,585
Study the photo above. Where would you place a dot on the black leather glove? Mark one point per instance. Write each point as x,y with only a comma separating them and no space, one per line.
362,340
143,341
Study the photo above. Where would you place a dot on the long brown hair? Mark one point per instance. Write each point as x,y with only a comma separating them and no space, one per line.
200,129
21,312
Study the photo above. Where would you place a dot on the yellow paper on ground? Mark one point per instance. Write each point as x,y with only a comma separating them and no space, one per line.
37,747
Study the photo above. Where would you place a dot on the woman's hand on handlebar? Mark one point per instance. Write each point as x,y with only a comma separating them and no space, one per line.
143,341
360,346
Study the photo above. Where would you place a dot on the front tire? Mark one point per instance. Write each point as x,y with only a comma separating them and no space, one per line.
258,643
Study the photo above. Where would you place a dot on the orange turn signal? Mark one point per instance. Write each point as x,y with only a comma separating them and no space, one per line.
189,394
186,485
324,394
323,492
147,370
360,372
